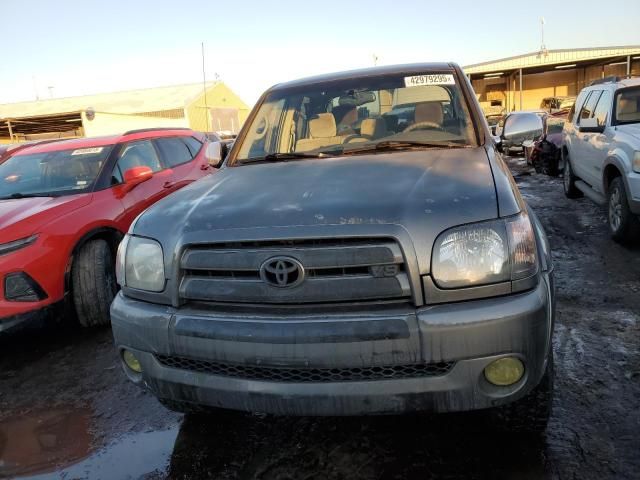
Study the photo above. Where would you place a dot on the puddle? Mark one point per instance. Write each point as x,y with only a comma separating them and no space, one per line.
38,442
58,444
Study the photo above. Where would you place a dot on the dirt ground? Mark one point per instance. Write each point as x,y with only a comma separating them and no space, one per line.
67,411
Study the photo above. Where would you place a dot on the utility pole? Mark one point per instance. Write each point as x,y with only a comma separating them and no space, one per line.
204,91
543,47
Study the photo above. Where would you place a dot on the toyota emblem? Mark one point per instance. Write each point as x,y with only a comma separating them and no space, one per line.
282,272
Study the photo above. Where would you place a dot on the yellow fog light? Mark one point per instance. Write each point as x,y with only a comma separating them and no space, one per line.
131,361
505,371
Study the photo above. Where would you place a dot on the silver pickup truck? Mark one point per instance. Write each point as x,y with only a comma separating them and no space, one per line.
363,249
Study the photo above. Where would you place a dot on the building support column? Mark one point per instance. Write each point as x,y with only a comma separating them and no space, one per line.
520,75
628,65
10,131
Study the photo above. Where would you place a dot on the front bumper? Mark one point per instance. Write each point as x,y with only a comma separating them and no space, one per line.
470,334
633,187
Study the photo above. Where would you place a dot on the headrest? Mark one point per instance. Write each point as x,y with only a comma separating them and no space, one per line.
345,114
372,127
429,112
322,126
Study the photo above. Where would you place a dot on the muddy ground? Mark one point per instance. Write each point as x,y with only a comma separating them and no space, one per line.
67,411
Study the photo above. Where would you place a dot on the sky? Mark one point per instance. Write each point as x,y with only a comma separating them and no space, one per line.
62,48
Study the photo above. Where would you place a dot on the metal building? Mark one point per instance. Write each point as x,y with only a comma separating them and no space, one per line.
521,82
211,108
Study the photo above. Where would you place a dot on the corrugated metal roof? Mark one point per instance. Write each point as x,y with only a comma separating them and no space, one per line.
126,102
551,57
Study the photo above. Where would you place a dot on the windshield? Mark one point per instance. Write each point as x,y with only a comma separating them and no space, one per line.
52,173
359,114
628,106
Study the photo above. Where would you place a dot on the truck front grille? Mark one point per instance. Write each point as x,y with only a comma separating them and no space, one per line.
331,271
306,375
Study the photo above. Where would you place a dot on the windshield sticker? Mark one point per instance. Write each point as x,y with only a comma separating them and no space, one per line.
87,151
81,182
422,80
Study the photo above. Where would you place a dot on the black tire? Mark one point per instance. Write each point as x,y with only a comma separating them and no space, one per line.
94,283
569,181
550,164
530,414
624,225
187,408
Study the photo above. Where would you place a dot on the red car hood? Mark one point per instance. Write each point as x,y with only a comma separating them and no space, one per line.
22,217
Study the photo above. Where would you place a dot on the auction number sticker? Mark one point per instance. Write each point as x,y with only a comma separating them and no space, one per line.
432,79
87,151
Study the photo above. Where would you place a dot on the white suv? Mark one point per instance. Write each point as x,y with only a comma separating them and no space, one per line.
601,155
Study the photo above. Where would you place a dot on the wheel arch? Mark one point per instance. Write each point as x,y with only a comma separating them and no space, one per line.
612,168
110,234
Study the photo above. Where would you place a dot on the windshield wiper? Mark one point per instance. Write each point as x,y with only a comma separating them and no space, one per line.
26,195
285,156
401,145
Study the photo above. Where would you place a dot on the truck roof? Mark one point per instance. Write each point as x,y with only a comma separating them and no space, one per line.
409,69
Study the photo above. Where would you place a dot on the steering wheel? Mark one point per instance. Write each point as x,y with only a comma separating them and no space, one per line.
423,125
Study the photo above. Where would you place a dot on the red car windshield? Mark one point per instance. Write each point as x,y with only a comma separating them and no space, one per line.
59,173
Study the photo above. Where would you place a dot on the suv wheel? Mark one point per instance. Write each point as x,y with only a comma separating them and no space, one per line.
569,181
94,283
625,226
530,414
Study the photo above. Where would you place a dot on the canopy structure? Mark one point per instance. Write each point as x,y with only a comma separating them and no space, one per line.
521,82
195,105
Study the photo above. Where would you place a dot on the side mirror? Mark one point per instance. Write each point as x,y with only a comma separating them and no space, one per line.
498,141
591,125
215,154
521,127
135,176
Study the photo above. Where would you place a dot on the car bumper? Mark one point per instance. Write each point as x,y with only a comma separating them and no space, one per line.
32,316
467,335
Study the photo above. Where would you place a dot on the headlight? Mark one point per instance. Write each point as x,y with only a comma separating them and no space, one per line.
140,264
485,253
636,162
17,244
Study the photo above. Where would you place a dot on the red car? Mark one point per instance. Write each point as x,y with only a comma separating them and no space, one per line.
64,207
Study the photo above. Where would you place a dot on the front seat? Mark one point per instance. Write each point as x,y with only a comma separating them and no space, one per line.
322,133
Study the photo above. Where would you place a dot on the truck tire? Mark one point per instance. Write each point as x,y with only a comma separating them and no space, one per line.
569,181
530,414
624,225
187,408
94,283
550,163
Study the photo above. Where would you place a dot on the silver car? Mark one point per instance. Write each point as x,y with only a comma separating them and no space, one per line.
362,249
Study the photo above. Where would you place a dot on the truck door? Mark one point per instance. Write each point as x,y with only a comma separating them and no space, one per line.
581,150
597,145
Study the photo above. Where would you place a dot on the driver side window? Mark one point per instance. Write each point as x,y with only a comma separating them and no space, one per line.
136,154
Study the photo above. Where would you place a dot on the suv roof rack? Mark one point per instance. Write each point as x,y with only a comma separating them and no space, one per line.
611,79
159,129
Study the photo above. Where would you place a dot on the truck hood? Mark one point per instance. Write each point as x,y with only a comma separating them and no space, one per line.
22,217
420,192
632,129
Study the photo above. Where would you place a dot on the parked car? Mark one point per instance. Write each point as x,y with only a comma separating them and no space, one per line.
380,271
601,155
493,120
64,207
517,120
556,104
545,153
9,149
